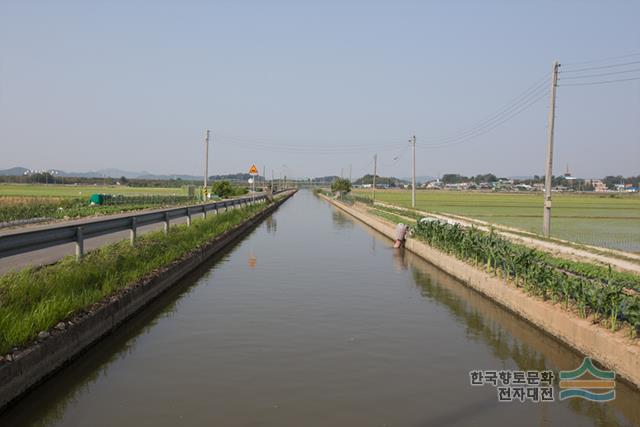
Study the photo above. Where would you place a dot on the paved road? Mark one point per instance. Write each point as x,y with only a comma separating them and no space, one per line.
50,255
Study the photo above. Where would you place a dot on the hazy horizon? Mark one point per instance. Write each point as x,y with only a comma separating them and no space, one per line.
310,89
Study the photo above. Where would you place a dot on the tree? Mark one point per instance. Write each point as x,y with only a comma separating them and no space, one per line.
453,178
487,177
342,185
222,189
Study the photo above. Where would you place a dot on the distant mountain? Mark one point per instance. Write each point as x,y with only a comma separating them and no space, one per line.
17,171
108,173
102,173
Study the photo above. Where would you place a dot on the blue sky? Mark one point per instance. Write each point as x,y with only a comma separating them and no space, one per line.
311,87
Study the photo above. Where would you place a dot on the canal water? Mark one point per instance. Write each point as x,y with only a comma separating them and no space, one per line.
313,320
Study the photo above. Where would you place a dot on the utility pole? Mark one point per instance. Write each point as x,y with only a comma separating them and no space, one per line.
349,172
206,160
341,173
546,224
373,186
413,179
264,176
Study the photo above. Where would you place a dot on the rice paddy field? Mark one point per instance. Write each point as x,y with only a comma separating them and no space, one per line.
605,220
58,190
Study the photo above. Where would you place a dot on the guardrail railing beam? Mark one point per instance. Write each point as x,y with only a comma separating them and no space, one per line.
20,242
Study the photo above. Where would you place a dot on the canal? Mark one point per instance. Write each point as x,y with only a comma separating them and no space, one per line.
313,320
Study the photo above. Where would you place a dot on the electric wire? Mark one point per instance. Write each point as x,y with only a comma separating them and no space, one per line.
600,82
486,130
601,67
598,75
532,92
595,61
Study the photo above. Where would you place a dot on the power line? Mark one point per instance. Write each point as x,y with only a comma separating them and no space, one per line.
260,141
595,61
600,74
601,67
488,129
532,92
343,149
511,113
600,82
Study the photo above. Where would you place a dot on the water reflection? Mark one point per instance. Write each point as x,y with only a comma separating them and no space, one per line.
271,224
399,261
511,339
341,220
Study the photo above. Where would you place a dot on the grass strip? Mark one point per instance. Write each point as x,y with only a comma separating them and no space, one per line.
387,215
36,299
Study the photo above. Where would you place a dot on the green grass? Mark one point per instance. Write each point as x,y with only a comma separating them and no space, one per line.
58,190
35,299
606,220
388,216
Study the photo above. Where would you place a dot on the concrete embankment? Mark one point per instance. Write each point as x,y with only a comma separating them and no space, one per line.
616,351
36,363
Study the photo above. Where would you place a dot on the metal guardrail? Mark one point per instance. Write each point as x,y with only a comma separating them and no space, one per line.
26,241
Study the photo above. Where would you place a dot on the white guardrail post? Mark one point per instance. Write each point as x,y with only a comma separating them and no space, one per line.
79,244
133,232
166,223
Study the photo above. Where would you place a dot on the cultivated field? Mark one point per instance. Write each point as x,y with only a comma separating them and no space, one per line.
57,190
19,202
607,220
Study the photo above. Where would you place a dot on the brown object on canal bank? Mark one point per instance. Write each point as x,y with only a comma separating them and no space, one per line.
400,235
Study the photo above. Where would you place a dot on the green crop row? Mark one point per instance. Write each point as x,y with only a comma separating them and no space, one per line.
597,292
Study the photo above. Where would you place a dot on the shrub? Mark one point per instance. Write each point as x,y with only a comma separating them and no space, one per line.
342,185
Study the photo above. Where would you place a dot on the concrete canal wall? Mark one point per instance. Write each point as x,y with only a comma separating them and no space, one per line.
616,351
41,360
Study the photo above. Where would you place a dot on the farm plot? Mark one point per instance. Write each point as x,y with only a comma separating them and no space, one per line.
46,202
609,220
